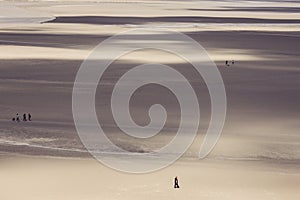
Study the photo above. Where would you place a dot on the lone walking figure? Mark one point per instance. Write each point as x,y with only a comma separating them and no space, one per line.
176,182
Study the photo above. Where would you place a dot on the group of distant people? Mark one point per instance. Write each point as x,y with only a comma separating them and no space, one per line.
26,117
229,62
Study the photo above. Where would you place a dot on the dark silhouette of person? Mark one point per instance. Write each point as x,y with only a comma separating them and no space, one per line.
18,117
176,185
24,117
13,119
29,116
226,62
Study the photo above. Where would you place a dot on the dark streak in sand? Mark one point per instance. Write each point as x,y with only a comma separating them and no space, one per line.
106,20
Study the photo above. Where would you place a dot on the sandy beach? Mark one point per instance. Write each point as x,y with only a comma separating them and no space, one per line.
49,178
43,44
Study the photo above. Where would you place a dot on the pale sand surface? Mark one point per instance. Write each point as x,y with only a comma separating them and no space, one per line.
258,155
72,179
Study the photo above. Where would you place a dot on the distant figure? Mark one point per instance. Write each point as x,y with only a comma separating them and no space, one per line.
226,62
29,116
18,117
13,119
232,62
176,182
24,117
